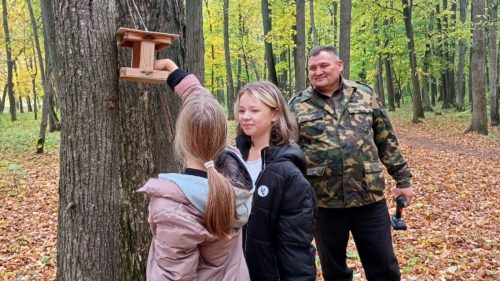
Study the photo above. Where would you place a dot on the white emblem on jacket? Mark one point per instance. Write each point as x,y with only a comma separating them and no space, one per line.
263,191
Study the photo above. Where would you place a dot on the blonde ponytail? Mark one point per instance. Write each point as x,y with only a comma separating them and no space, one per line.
201,134
220,212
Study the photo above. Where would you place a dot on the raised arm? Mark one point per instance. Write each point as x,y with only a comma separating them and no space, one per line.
181,82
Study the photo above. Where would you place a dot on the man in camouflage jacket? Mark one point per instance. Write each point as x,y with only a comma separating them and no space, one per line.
347,138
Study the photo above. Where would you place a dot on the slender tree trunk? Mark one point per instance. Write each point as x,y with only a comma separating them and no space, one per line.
433,91
28,104
380,73
390,84
229,72
345,36
494,112
300,46
115,135
313,25
334,23
2,101
479,118
425,91
270,61
195,52
461,61
10,62
21,107
418,111
35,98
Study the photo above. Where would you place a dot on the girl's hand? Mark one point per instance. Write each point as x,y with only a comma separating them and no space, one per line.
166,65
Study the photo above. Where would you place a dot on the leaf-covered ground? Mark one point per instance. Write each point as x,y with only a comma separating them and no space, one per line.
454,225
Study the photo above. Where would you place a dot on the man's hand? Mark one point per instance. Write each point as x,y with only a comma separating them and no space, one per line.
165,65
407,193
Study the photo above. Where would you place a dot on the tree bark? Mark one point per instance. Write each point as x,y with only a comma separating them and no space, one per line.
10,62
461,61
390,84
494,112
345,36
479,118
418,111
300,46
229,71
115,135
195,51
334,22
427,55
313,24
2,101
270,61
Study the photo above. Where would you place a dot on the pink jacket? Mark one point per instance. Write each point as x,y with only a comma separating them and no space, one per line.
182,248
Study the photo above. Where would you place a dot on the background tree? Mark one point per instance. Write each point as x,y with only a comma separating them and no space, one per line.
418,111
10,62
345,36
461,60
300,46
493,60
268,45
479,119
111,140
227,56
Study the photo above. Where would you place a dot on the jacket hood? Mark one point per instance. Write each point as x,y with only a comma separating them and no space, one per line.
195,188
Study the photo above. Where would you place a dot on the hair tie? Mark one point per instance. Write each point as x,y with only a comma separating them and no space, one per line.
209,164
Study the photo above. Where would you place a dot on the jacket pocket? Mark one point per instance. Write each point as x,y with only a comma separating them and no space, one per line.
312,126
374,175
316,171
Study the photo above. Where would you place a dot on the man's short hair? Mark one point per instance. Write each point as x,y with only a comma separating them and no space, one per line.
325,48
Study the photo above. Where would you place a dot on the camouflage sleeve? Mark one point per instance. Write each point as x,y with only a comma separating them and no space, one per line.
387,145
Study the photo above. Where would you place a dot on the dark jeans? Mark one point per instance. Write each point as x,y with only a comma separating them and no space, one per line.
371,229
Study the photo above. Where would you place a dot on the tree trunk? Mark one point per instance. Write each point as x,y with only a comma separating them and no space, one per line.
112,139
427,55
433,91
21,107
47,72
28,104
35,98
300,46
270,61
494,113
10,63
461,61
313,24
448,55
418,111
2,101
479,118
334,23
229,72
195,51
345,36
390,84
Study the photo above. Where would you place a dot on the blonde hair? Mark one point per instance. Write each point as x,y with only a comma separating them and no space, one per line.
285,129
201,134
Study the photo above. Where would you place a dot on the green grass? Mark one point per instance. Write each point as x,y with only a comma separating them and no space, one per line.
22,135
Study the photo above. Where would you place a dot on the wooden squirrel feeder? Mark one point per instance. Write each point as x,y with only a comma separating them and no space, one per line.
144,44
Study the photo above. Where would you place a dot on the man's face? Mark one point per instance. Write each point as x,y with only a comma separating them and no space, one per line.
324,72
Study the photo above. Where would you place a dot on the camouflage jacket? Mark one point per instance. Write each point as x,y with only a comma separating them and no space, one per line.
344,154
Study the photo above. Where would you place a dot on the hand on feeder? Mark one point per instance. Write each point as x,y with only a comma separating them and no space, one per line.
165,65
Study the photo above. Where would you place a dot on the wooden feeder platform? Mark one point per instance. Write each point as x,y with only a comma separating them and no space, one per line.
144,44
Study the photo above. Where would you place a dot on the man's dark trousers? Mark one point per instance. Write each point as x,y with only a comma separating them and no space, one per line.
371,229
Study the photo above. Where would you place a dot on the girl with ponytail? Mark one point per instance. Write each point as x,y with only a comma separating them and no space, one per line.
196,216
